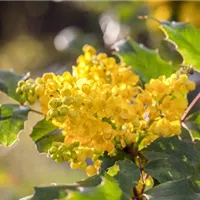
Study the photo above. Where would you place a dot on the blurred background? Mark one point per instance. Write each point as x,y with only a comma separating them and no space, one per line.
48,36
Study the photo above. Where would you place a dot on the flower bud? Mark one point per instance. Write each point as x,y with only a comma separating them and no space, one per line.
63,111
55,102
20,83
67,100
74,165
39,90
91,170
53,113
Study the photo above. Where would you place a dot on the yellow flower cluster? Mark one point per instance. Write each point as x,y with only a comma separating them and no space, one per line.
102,108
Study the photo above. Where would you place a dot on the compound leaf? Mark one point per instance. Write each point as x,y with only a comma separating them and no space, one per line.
171,159
96,187
183,189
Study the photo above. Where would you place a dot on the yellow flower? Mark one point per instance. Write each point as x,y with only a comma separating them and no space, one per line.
101,108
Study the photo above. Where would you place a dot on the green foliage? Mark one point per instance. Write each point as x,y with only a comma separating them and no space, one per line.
8,84
171,159
186,39
193,122
147,63
44,134
92,188
12,118
172,163
107,190
128,175
183,189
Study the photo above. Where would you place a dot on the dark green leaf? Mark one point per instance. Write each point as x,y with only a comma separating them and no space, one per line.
193,123
44,134
8,84
107,190
183,189
12,118
127,176
96,187
91,181
186,39
147,63
171,159
52,192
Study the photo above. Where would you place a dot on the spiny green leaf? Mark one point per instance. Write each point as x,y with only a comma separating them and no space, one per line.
147,63
12,118
52,192
128,175
183,189
171,159
44,134
193,123
8,84
107,190
186,39
92,188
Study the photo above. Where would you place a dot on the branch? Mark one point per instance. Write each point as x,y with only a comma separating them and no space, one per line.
195,100
141,168
37,112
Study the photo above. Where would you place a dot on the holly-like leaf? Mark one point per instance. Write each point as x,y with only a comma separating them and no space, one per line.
107,190
44,134
92,188
146,62
193,123
186,39
171,159
8,84
184,189
12,118
127,174
57,191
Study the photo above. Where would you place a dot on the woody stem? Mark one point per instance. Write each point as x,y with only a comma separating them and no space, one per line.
195,100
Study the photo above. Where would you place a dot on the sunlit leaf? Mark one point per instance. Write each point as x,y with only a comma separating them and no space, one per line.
186,39
8,84
12,118
146,62
44,134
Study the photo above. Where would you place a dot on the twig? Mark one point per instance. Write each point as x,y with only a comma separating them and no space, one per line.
35,111
141,168
195,100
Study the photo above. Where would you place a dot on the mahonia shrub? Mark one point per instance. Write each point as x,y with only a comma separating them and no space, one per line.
101,107
123,122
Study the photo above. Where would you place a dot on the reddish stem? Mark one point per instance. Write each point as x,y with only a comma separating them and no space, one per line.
141,168
35,111
195,100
